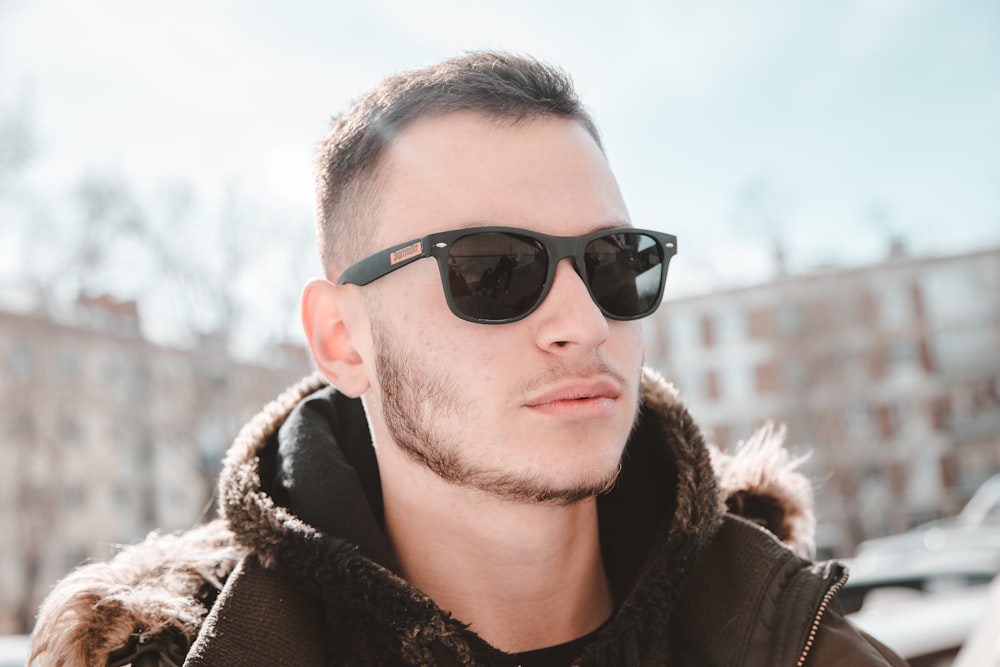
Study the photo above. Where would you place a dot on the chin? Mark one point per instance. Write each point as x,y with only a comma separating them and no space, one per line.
584,489
577,482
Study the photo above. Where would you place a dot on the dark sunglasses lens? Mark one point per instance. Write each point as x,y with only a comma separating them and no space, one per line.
495,276
625,273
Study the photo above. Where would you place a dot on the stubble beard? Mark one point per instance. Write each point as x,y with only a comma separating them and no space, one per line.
415,402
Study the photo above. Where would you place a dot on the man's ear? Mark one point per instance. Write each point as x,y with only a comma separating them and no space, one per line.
328,332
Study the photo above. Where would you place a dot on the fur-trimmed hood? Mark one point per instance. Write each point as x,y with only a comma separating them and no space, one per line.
670,499
759,479
150,596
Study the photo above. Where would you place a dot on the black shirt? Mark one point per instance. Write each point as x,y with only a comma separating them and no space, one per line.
561,655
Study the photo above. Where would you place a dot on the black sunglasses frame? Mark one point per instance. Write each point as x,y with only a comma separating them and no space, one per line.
557,248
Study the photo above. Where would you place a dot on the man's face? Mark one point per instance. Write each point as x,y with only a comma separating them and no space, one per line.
534,410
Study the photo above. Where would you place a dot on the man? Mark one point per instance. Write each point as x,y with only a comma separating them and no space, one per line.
512,488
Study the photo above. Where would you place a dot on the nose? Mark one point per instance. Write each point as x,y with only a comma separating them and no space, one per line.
568,318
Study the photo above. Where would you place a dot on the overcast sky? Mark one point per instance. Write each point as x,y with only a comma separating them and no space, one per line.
827,125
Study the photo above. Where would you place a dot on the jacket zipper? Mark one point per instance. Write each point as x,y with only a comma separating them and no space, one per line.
824,603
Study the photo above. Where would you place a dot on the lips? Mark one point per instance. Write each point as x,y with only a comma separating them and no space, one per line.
575,392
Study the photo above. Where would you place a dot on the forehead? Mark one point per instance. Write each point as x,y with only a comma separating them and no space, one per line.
464,169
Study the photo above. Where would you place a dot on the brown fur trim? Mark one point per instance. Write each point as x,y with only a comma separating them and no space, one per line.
761,481
146,589
257,521
699,509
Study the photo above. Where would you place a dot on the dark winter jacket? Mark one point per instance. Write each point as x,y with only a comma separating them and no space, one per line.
704,551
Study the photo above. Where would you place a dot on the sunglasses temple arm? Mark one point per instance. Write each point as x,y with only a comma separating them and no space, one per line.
385,262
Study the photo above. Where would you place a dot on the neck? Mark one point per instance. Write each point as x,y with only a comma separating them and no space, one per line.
523,576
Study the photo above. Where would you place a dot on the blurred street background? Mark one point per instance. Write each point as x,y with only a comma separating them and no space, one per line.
832,172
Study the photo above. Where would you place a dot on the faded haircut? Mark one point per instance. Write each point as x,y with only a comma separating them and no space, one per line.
500,86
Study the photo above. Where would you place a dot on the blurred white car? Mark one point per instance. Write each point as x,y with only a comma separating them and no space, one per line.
923,592
924,610
976,529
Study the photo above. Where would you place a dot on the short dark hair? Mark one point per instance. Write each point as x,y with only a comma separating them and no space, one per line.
498,85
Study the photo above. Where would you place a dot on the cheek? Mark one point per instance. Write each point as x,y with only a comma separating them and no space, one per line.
628,339
413,308
627,345
409,301
468,354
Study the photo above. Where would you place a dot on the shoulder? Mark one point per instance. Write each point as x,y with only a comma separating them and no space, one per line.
777,608
156,592
237,633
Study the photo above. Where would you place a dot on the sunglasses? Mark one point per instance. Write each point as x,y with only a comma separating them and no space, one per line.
496,275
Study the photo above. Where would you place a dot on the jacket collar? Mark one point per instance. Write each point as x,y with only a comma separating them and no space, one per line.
300,489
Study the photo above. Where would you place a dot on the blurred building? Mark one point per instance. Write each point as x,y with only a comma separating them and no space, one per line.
889,374
106,436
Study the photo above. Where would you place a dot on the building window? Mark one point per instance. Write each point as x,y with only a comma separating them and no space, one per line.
869,309
760,324
940,409
707,331
887,419
876,363
984,395
819,316
720,436
825,369
712,385
767,378
828,426
858,310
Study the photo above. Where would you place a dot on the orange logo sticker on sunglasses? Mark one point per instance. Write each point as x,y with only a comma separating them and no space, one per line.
404,254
